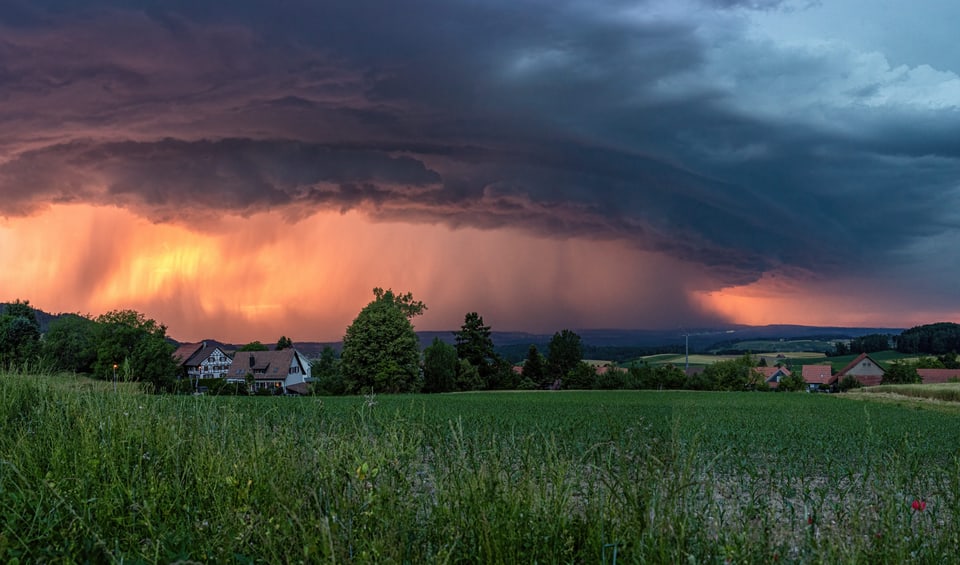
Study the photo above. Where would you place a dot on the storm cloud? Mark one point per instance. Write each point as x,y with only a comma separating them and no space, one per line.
729,135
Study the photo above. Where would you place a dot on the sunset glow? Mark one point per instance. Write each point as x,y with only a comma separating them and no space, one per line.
258,277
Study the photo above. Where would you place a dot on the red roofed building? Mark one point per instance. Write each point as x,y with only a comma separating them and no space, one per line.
818,376
772,375
867,371
937,376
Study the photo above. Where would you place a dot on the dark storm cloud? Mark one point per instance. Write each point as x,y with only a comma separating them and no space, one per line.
572,119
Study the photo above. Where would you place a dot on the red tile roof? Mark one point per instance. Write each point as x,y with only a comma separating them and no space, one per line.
769,372
818,375
865,380
854,363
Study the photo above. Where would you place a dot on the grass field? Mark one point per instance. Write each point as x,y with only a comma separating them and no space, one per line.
785,346
568,477
798,357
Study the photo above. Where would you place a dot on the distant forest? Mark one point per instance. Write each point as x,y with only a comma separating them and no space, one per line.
933,339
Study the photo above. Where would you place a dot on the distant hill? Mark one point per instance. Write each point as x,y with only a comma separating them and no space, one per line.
43,318
627,344
612,342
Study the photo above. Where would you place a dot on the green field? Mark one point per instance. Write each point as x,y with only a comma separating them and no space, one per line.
784,345
796,357
566,477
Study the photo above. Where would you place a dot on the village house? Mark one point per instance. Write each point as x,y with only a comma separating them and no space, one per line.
202,361
286,370
867,371
818,377
773,375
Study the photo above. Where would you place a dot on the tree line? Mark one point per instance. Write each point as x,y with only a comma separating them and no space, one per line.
381,353
121,344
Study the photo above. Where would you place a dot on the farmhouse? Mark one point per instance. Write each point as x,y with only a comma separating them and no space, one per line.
278,370
185,351
867,371
773,375
818,376
209,362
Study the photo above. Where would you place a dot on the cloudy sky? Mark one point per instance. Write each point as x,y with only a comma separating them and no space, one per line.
254,168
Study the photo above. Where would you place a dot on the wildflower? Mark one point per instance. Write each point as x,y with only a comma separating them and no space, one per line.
919,505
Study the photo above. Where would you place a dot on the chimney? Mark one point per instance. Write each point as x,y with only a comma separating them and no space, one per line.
253,360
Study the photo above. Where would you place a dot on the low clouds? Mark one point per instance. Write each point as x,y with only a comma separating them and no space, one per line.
686,129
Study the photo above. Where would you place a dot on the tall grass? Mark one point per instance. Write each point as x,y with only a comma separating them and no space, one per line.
89,475
947,392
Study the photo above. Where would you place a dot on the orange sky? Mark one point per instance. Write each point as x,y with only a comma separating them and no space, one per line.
239,279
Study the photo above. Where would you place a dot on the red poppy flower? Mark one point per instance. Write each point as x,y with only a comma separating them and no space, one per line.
919,505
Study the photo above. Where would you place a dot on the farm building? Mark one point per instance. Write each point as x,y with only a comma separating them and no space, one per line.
210,362
867,371
279,370
818,376
773,375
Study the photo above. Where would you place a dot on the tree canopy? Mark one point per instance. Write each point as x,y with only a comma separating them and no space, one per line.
934,339
565,353
19,334
381,351
474,344
440,364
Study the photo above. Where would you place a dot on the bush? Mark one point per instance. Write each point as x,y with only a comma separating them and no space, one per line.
848,382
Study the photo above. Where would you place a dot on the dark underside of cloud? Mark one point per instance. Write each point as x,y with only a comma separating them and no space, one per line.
551,117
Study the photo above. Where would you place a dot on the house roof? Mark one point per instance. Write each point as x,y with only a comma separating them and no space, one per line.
856,362
769,372
266,365
936,376
818,374
202,355
185,351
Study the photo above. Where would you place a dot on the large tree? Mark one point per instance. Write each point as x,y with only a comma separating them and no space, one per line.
129,340
284,343
381,352
565,353
71,343
533,367
327,379
440,366
899,373
474,344
19,334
